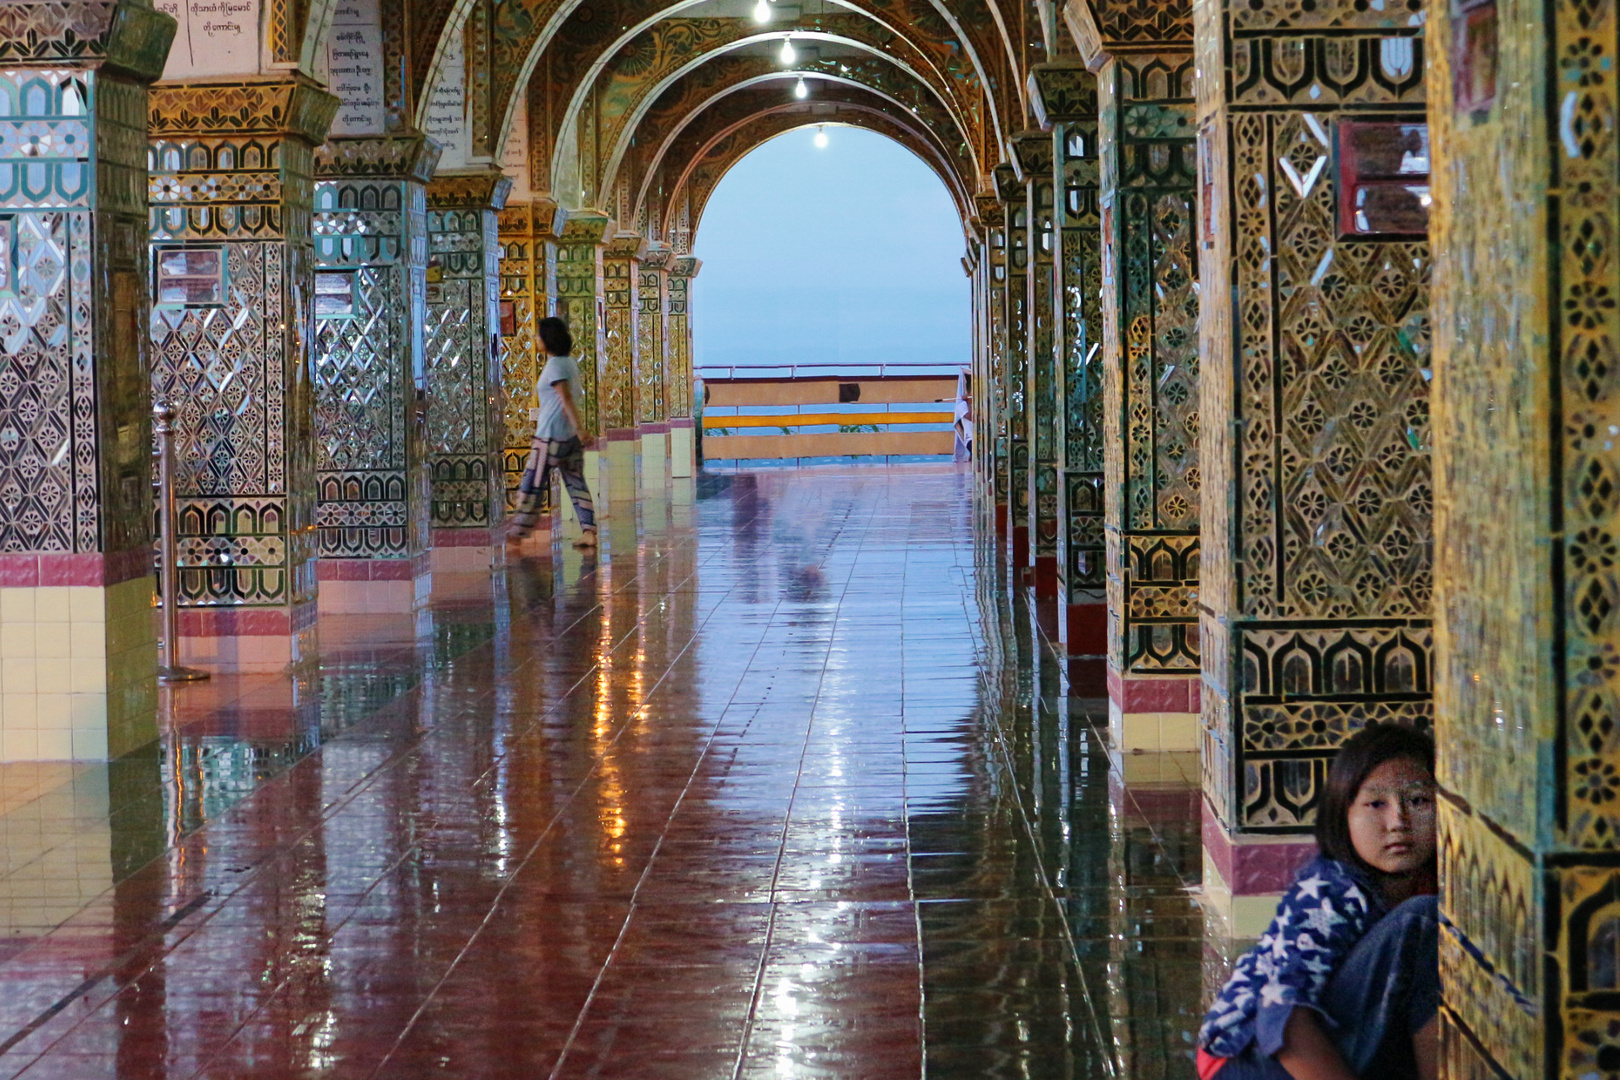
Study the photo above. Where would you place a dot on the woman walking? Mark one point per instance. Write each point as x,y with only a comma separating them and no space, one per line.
560,440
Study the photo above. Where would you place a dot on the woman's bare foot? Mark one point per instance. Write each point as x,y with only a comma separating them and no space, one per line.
587,539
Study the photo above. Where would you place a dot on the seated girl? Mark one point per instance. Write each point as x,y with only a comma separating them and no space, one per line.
1345,983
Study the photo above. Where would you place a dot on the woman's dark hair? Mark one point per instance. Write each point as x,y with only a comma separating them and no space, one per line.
555,337
1361,754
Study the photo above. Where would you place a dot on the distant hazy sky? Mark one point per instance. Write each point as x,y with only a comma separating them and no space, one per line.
851,254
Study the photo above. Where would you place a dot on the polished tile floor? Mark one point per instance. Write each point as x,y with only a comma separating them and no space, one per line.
780,785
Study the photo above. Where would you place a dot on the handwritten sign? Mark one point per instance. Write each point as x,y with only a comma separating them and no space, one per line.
447,108
215,37
515,157
354,68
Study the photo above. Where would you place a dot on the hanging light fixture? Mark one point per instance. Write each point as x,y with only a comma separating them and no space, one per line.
789,55
762,12
821,137
800,90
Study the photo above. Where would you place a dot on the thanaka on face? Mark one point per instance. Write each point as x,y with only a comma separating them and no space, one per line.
1392,820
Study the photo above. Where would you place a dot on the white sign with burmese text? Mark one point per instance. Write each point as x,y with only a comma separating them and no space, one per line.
446,121
215,37
354,68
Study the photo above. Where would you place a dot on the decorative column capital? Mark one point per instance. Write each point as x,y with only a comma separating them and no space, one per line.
657,257
991,213
482,189
295,108
586,227
1105,28
626,246
1032,153
1062,94
404,156
1009,187
685,266
129,36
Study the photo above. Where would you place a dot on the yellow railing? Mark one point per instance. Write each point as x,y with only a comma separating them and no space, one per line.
885,415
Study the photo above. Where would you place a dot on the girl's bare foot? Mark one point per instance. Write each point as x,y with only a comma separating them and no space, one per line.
587,539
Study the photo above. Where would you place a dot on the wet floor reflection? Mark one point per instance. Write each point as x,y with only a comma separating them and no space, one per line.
776,785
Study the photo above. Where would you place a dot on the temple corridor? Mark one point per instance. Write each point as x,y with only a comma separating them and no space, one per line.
781,784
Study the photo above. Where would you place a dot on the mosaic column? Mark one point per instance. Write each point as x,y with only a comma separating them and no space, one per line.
1033,150
1314,362
1065,99
465,429
619,371
1149,367
652,328
580,303
1014,297
678,366
75,407
233,262
528,234
993,219
372,503
1522,101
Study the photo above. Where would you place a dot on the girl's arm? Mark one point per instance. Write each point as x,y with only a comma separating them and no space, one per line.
1307,1052
566,392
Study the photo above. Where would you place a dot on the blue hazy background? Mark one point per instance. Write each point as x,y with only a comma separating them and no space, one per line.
848,255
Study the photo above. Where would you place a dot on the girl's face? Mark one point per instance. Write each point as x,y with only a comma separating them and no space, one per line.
1392,819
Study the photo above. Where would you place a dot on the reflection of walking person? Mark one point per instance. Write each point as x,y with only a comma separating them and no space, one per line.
560,440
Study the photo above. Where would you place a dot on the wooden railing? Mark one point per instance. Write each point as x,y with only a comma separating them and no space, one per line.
805,415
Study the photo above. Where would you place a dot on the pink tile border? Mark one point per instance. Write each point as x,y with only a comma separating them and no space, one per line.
476,537
37,569
1178,694
680,422
653,429
1252,867
619,434
367,569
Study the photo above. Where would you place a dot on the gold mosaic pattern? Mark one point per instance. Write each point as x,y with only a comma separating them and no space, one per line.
1150,362
621,272
1526,513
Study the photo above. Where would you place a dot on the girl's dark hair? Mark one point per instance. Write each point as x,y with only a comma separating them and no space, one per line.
1361,754
555,337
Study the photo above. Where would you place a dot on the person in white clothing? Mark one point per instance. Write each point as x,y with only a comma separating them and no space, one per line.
560,440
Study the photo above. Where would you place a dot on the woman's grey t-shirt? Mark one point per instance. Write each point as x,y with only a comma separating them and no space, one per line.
553,423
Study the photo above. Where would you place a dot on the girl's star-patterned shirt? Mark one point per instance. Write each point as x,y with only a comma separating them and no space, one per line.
1319,920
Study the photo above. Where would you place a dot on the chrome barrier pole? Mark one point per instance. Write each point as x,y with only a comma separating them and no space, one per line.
169,670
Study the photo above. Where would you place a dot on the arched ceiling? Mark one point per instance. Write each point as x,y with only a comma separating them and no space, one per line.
665,168
681,97
623,55
720,153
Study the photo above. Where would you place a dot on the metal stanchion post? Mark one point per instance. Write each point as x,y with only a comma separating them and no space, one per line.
169,671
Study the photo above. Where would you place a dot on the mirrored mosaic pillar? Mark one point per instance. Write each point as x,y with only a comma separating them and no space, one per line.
1149,366
466,432
372,506
1033,150
528,234
652,329
1522,100
620,371
1314,365
998,443
1014,297
678,379
76,634
1065,99
581,303
233,263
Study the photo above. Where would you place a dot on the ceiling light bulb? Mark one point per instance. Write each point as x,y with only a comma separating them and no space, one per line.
788,53
800,90
762,12
821,138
